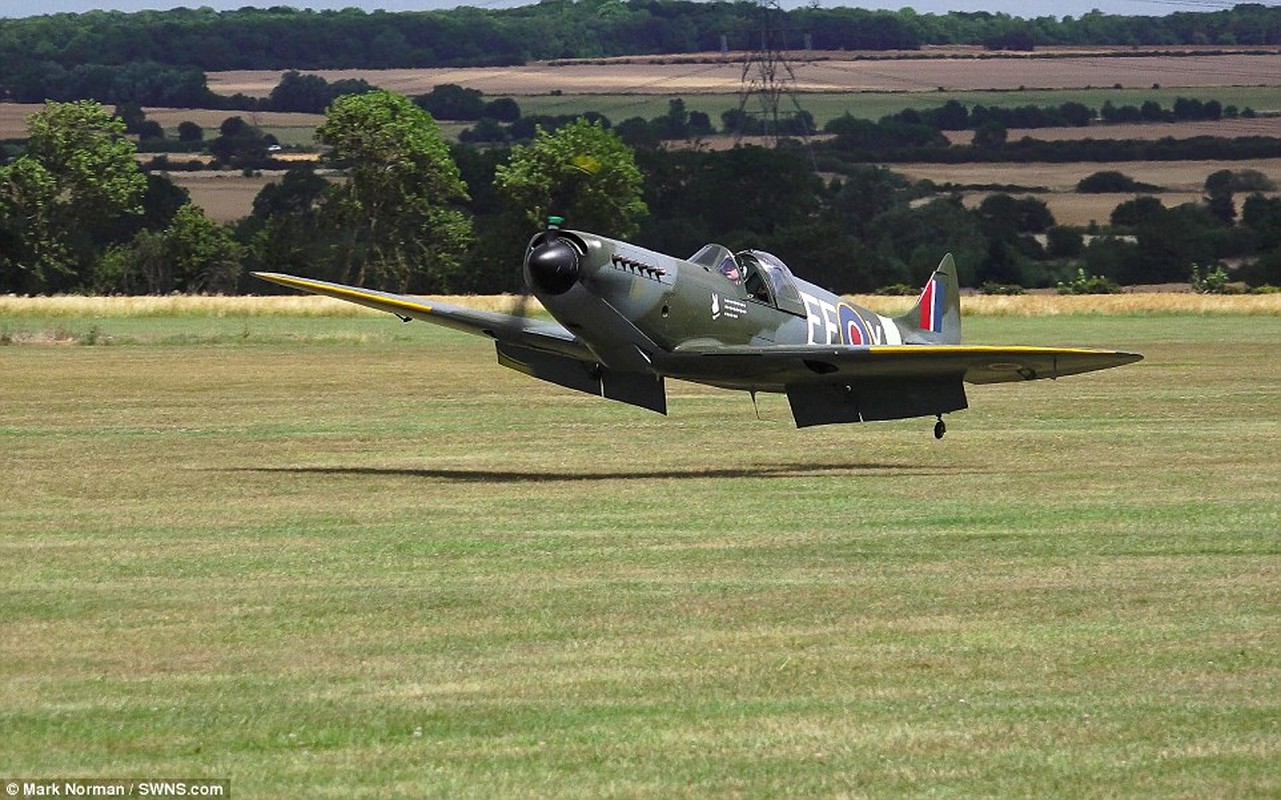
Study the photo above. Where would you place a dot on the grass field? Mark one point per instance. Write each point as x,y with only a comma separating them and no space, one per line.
337,556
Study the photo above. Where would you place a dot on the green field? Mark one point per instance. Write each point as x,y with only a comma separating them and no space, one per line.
345,557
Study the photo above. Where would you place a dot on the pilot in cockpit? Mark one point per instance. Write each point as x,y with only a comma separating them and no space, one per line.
729,268
753,280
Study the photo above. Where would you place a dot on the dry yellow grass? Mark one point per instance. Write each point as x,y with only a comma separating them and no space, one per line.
1181,303
310,306
67,306
1051,305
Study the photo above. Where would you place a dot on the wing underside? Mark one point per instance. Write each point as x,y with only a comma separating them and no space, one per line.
776,367
860,384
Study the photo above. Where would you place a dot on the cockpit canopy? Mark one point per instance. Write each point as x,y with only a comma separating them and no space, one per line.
775,283
763,276
718,257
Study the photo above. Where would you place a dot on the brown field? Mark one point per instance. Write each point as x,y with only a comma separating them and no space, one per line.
211,119
224,196
13,119
834,75
1171,175
1182,182
1232,128
1082,209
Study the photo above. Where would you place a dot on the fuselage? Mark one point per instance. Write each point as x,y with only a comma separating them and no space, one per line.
666,306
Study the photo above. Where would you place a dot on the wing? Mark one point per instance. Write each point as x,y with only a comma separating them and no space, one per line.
855,384
778,366
530,333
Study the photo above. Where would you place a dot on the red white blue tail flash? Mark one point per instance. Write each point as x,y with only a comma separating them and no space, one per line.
932,304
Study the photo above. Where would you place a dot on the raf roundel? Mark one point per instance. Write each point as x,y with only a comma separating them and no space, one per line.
853,328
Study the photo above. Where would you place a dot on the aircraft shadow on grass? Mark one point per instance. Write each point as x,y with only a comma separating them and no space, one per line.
797,470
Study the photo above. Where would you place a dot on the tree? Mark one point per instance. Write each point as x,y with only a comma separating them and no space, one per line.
1218,196
298,92
504,109
398,210
909,240
1077,115
203,256
866,192
192,254
952,116
311,93
1262,215
1064,242
991,135
1112,181
453,102
1169,244
240,144
77,178
582,172
1132,213
189,131
285,231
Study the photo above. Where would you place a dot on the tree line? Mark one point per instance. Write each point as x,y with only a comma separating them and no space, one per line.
909,135
404,210
282,38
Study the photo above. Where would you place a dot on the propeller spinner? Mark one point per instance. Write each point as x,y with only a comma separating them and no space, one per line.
552,263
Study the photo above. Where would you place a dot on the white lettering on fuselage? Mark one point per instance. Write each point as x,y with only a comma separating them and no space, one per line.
730,309
824,324
812,317
830,325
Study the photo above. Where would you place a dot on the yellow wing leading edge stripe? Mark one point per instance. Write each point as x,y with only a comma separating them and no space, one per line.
361,296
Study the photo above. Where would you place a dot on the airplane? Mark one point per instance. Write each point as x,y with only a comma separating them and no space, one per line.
628,318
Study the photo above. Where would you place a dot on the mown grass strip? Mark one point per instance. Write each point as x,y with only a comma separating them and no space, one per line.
391,568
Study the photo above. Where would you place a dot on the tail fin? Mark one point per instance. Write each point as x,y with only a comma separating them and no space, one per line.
936,317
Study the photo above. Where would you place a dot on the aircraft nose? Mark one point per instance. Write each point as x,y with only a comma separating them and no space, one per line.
553,266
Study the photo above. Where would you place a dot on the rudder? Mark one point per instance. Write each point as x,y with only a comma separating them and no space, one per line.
936,317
